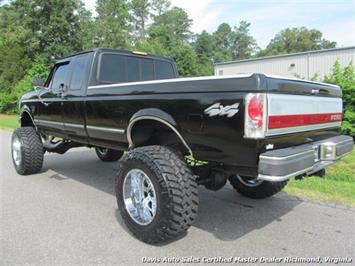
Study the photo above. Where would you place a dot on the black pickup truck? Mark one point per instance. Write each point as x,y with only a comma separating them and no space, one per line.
172,134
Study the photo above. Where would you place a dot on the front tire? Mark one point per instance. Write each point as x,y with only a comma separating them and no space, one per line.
255,189
27,151
108,155
167,203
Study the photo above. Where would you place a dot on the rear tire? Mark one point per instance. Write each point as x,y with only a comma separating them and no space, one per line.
27,151
108,155
174,189
255,189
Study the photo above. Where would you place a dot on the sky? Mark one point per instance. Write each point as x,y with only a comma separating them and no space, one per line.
334,18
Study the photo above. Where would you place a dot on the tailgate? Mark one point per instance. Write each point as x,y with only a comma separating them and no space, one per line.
297,113
298,106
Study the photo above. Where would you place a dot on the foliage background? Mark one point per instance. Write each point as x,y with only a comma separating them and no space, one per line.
33,33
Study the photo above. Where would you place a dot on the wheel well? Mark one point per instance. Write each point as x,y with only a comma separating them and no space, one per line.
152,132
26,120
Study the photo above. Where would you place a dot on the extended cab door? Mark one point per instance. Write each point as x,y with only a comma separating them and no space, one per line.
73,98
49,116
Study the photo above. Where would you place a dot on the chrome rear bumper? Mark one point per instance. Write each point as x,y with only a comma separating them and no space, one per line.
282,164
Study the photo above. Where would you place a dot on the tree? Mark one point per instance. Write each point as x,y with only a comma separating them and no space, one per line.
160,6
243,44
48,27
185,59
112,27
171,28
13,64
140,12
292,40
345,78
204,49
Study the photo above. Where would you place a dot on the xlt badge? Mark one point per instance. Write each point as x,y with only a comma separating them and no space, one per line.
218,109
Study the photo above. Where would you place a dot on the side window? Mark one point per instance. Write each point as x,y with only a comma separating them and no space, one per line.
60,76
112,69
79,70
147,66
163,70
133,68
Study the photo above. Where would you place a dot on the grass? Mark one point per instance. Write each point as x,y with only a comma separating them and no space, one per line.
337,186
8,122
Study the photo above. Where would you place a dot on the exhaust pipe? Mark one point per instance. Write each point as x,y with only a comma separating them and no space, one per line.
60,147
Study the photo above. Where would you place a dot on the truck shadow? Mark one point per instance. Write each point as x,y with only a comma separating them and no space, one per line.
225,214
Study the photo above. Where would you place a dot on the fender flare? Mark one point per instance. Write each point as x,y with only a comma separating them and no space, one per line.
26,109
156,115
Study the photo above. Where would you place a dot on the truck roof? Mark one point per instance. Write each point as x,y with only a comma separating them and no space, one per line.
121,51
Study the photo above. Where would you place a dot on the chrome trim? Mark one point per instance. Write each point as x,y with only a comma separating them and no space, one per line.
286,157
131,123
74,125
344,141
39,121
283,178
169,81
106,129
46,122
81,126
139,196
318,165
288,130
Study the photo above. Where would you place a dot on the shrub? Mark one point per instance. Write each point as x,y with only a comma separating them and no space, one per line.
9,100
345,78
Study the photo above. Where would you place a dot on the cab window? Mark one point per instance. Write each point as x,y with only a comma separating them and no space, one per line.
60,76
78,72
115,68
112,68
163,70
147,69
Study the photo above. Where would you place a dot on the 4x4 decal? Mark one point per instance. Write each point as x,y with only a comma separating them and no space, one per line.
218,109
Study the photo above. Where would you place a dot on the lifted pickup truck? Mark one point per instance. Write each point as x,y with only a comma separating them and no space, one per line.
255,130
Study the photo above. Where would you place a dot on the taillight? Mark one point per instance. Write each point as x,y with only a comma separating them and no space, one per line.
255,115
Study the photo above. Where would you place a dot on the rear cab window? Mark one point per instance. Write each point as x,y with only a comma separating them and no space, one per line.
120,68
79,71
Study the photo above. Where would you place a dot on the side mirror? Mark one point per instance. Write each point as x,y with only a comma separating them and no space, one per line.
38,82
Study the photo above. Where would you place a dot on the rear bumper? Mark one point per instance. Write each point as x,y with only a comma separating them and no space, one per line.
282,164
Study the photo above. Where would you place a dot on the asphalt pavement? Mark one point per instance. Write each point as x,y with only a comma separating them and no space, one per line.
67,214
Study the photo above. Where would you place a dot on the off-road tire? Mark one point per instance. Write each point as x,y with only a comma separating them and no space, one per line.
31,151
264,190
176,193
109,155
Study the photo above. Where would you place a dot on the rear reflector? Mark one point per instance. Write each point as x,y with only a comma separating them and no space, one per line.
282,121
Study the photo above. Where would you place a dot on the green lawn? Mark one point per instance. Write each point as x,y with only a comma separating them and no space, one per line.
337,186
8,122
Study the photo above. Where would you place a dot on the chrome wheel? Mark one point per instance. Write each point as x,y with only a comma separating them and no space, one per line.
16,150
249,182
139,197
102,151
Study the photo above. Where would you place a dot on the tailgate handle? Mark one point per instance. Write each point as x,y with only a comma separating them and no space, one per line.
320,91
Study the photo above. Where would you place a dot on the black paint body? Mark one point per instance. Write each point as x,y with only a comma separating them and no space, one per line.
80,115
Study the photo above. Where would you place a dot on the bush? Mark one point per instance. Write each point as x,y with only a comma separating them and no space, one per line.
345,78
9,100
